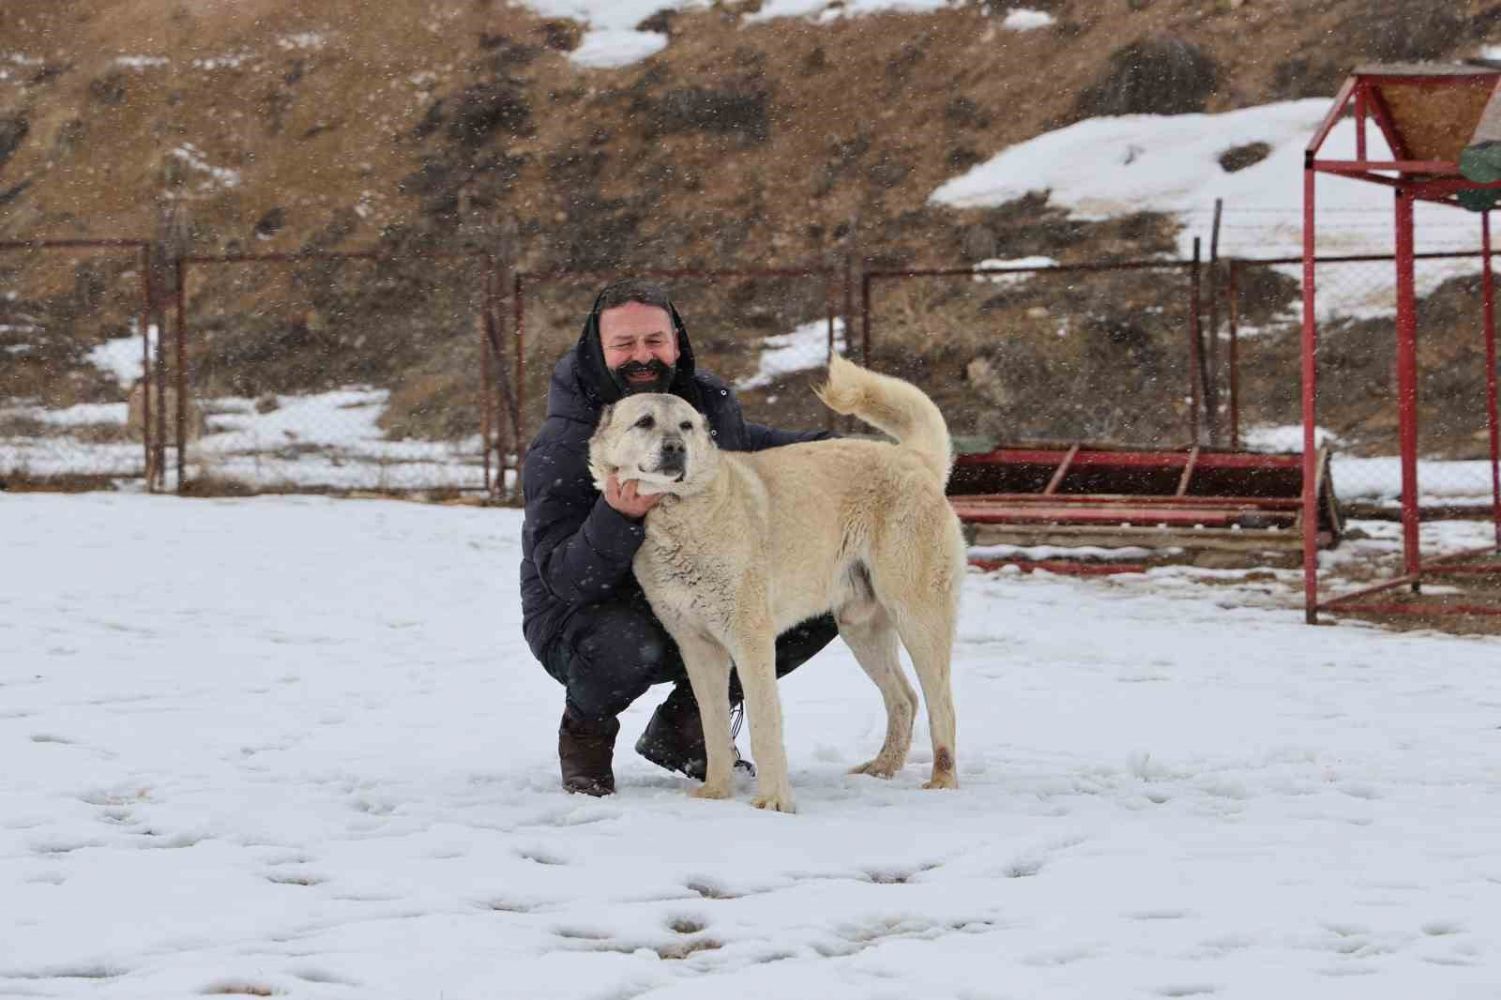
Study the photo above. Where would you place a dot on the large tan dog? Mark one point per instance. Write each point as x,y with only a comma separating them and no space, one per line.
746,545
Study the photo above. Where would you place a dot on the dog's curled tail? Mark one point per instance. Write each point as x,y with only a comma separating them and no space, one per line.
899,408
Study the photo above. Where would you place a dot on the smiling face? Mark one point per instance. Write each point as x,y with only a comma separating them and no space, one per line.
656,439
640,346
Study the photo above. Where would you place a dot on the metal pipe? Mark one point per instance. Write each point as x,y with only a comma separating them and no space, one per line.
1195,355
865,318
518,304
1489,299
180,376
487,387
1234,293
1407,382
1310,405
146,361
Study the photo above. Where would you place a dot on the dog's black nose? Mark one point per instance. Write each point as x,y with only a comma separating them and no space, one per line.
674,455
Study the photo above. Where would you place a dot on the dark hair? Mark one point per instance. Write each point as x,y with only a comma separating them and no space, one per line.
633,290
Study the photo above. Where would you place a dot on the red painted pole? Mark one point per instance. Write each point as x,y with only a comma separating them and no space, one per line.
1195,356
1407,383
1234,355
181,379
518,304
1490,373
1310,407
146,399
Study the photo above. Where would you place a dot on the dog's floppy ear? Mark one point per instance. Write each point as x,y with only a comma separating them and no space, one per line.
599,471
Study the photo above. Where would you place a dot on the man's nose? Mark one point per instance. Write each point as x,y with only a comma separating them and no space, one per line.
642,352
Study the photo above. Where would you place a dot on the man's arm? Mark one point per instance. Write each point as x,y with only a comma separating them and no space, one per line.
759,438
582,547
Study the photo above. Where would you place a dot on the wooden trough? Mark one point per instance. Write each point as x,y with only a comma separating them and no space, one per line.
1203,505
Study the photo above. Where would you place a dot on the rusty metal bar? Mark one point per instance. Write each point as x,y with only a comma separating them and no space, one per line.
952,272
1407,381
146,399
1061,471
181,374
1309,349
1195,352
865,280
1489,299
1188,472
1234,310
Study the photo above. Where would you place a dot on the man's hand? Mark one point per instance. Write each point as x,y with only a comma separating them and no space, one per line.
624,498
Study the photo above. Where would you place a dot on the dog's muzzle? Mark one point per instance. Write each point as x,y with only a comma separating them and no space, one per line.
674,461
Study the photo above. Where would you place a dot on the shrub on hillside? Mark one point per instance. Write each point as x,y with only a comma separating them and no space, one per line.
1161,75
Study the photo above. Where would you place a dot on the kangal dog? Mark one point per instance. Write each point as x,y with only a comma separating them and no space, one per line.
745,545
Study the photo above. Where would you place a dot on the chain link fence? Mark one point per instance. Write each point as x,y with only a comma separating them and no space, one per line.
1357,409
332,373
1100,353
73,348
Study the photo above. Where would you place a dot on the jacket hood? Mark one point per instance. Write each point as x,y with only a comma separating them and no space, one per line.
594,377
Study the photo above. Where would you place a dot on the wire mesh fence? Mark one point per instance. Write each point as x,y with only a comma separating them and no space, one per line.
1357,386
1103,354
72,355
332,373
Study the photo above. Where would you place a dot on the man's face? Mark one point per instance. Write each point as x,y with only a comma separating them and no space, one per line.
640,346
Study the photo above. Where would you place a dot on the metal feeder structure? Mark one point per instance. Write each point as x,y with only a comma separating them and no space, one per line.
1443,126
1197,503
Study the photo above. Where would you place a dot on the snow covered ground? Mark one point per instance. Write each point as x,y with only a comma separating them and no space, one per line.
297,747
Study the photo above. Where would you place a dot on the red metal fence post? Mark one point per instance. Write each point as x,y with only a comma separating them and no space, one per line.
180,377
1195,355
1234,310
1310,406
1489,298
1407,383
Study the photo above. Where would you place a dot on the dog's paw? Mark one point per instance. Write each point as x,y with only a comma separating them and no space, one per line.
878,768
708,791
942,779
781,803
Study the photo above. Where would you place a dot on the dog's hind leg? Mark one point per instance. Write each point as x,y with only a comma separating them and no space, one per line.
926,624
754,649
868,631
708,666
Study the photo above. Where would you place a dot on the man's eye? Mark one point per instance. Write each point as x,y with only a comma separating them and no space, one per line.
646,422
686,425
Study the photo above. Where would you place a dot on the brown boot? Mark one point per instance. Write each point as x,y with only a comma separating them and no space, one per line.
585,749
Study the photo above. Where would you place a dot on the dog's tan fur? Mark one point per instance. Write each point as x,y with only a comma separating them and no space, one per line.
746,545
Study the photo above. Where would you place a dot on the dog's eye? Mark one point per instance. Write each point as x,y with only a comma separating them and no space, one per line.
686,425
646,423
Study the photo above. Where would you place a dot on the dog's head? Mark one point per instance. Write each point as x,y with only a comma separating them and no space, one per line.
658,440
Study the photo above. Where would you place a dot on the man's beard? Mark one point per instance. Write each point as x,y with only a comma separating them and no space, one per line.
661,380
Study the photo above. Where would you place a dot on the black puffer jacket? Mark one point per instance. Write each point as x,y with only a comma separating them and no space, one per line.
575,548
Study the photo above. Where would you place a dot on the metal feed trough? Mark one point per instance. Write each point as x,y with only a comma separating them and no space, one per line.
1209,506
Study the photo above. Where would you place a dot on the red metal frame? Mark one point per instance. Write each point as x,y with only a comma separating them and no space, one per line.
1431,180
143,249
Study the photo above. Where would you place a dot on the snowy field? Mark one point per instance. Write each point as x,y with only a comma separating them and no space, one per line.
297,747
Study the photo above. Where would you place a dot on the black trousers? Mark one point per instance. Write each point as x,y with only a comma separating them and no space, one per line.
609,653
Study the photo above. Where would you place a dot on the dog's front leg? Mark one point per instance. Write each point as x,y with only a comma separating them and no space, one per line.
708,666
755,661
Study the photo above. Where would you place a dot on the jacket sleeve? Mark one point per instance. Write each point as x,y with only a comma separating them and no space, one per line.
759,438
582,547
